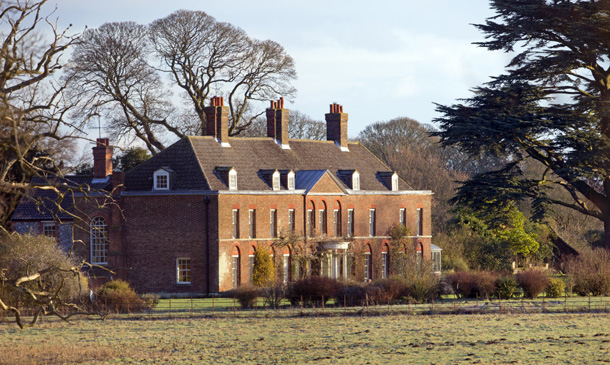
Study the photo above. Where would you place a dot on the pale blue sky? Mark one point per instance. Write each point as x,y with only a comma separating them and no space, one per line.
380,60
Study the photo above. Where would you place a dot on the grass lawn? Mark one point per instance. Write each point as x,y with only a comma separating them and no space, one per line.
268,338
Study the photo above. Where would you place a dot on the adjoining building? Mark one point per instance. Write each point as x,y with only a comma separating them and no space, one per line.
189,219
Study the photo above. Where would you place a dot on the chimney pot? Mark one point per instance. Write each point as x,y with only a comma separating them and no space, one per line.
102,158
336,125
217,120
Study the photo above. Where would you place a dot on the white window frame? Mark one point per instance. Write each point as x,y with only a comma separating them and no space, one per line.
337,216
290,180
322,221
372,222
275,179
355,181
286,267
98,240
159,177
250,267
45,231
402,219
273,223
395,182
350,222
236,270
367,266
235,223
232,179
252,223
384,265
183,270
291,219
420,221
310,222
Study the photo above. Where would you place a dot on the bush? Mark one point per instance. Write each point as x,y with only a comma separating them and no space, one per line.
384,290
263,272
533,282
21,255
589,273
473,283
423,287
151,300
556,288
353,294
245,295
506,287
117,296
274,294
312,289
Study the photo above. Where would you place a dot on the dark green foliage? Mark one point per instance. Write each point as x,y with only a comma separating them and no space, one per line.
590,272
263,273
313,290
130,158
506,287
533,282
550,106
118,296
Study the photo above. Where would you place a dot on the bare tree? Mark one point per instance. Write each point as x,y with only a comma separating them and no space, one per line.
119,67
33,123
301,126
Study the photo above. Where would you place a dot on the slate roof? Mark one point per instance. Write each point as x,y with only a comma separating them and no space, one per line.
45,207
194,160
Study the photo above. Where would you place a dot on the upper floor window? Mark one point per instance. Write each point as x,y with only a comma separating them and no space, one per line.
355,181
310,221
273,223
183,270
98,237
161,180
276,180
252,222
337,214
350,222
372,214
291,218
420,221
235,223
403,217
290,180
395,182
232,179
322,220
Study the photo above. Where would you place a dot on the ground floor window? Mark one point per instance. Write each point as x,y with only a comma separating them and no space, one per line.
236,267
183,270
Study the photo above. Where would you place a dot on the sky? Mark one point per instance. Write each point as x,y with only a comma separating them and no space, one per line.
380,60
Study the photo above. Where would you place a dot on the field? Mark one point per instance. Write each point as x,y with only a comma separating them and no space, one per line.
273,338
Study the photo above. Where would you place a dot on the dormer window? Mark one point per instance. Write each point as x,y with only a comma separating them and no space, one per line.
232,179
276,180
290,182
355,181
395,182
161,180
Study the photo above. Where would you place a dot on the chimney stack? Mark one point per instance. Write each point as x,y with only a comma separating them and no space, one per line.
277,122
102,159
336,125
217,120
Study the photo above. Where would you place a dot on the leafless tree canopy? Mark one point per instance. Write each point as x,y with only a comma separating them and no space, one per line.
120,68
301,126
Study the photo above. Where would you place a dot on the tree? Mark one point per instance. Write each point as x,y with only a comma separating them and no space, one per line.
116,68
131,157
263,272
550,106
301,126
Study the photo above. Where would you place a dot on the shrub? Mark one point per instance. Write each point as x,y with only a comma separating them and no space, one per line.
151,300
312,289
263,272
118,296
353,294
423,287
590,272
473,283
246,295
385,290
533,282
506,287
556,288
274,294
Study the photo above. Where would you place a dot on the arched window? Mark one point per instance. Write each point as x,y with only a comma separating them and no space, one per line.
395,182
337,214
251,263
290,180
98,237
287,263
322,218
355,181
420,254
368,263
276,180
236,267
385,261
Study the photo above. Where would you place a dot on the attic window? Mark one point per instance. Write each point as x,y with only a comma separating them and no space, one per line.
355,181
276,180
394,182
161,180
232,179
290,180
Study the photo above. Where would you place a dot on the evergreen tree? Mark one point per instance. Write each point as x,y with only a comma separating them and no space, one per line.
552,105
263,272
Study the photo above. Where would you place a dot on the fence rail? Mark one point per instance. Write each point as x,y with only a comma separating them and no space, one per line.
230,307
